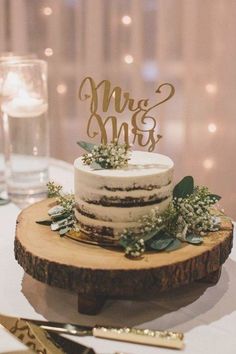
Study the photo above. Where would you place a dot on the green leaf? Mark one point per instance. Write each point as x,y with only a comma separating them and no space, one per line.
149,235
4,201
58,217
193,239
58,209
63,231
44,222
128,241
215,196
61,224
184,188
174,245
161,244
124,241
86,146
96,166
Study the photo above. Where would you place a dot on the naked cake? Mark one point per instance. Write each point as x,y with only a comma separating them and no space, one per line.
111,200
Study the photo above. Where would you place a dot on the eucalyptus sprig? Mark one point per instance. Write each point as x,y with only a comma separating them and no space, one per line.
187,219
62,216
105,156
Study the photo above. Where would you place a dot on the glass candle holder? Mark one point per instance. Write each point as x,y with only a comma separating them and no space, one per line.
25,128
8,57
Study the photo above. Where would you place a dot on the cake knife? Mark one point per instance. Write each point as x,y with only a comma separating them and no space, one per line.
38,340
166,339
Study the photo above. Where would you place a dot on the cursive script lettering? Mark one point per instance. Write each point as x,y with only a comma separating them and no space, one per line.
143,129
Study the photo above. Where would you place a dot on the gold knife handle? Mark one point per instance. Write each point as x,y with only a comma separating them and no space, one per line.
141,336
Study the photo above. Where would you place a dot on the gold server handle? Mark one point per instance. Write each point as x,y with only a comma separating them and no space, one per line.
166,339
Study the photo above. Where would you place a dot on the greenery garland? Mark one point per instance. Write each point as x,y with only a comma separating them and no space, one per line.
188,218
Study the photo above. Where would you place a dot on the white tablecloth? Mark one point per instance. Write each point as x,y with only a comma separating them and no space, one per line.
207,315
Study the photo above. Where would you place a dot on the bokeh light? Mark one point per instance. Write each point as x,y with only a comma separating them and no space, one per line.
212,128
126,20
208,163
48,52
128,59
61,89
47,11
211,88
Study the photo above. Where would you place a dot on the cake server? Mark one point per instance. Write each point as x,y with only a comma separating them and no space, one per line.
166,339
38,340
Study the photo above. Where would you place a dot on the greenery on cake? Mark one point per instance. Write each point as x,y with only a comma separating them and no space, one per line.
188,218
62,216
54,190
105,156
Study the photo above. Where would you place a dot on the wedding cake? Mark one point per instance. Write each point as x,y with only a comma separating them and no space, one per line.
111,200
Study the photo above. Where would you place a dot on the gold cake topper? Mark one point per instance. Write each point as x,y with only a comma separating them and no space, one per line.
142,129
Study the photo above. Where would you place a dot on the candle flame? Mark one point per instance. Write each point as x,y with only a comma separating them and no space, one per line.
12,84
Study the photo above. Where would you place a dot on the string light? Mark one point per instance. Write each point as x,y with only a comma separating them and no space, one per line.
35,151
48,52
47,11
61,89
128,59
126,20
211,88
208,163
212,128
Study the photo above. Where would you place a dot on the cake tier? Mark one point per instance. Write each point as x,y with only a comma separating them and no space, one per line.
107,201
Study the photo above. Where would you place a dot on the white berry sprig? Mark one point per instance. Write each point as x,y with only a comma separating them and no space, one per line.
188,218
105,156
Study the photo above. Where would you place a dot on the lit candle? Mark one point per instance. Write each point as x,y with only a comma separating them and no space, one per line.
11,85
24,106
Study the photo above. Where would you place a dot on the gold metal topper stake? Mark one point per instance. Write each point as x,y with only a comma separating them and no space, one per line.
143,125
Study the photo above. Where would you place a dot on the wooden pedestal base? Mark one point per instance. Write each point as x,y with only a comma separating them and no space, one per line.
97,273
90,305
212,278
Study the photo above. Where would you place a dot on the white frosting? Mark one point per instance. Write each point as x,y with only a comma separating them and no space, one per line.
144,168
145,182
122,218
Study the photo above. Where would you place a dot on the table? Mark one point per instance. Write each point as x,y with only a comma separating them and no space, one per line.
206,314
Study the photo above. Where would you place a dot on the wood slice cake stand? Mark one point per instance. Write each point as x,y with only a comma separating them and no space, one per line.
96,273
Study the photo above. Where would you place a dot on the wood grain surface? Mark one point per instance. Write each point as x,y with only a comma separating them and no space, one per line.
96,271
